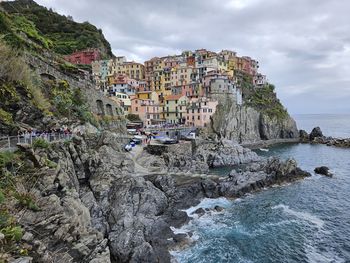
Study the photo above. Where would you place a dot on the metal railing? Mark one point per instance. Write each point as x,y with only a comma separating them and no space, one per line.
11,142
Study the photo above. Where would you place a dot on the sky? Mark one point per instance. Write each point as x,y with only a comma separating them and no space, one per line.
303,46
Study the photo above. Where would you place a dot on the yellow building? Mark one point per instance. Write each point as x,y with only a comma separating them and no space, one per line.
147,95
134,70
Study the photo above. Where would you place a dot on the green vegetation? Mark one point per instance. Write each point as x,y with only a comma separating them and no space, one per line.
50,164
51,30
265,100
6,117
40,144
17,178
6,158
133,117
18,86
26,200
22,24
20,33
69,102
9,228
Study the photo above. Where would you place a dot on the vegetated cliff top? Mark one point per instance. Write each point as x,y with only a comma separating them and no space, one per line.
59,33
263,99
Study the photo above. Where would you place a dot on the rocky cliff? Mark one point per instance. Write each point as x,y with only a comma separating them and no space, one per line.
84,201
245,123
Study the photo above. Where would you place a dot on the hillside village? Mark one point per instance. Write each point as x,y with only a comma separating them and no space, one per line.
173,90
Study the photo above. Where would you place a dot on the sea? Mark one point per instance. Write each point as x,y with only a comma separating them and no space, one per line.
306,221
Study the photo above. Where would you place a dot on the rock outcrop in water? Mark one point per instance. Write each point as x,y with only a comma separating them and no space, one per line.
197,156
95,207
324,170
316,136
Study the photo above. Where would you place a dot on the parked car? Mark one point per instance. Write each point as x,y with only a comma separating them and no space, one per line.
132,131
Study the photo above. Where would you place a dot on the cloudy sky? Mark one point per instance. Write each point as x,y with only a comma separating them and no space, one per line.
303,46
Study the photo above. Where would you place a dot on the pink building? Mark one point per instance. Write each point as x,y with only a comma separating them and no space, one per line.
148,110
199,111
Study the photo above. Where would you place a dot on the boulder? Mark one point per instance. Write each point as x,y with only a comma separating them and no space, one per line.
23,260
200,212
218,208
323,170
316,132
304,136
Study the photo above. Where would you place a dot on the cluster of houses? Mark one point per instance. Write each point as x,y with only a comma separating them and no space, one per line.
181,89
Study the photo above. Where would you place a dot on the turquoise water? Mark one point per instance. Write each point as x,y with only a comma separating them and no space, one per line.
308,221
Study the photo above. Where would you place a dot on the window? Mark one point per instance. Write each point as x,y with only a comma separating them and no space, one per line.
137,109
199,110
193,118
204,110
188,118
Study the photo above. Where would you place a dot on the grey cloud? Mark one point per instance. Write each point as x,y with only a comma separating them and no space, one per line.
303,46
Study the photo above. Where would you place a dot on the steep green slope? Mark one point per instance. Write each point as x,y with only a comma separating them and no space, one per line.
26,99
59,33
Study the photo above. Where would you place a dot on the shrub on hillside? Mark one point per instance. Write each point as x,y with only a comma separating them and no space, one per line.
40,143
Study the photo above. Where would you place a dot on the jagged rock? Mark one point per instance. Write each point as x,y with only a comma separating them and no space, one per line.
218,208
244,124
94,208
200,155
304,136
23,260
27,237
316,132
264,174
324,170
200,212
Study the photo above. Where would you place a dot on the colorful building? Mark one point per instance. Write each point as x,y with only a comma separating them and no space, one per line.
85,57
199,111
123,100
175,108
148,110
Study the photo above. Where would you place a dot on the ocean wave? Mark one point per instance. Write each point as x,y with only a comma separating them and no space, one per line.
209,203
314,255
301,215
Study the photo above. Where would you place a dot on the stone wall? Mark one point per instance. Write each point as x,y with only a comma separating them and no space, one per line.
99,103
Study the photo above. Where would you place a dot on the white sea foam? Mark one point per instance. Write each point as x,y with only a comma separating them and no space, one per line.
314,255
209,203
301,215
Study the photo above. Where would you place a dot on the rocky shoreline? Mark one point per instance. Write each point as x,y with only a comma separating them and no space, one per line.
96,207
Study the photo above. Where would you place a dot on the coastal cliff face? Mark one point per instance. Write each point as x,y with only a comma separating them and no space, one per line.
88,202
245,124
